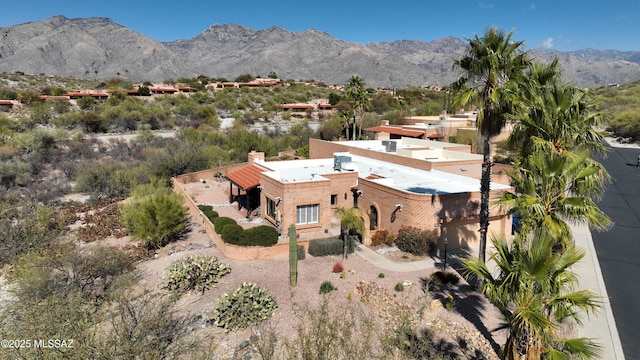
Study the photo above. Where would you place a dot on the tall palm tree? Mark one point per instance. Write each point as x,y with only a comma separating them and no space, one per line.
351,220
553,188
491,66
559,117
555,179
359,100
533,287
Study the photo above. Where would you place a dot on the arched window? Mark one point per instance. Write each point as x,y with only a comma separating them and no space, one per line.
373,218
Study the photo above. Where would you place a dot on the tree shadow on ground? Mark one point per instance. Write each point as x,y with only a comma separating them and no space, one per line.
462,296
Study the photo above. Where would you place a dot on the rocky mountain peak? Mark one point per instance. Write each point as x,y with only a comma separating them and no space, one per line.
99,47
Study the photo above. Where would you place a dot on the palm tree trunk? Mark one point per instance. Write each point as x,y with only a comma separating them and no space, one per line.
485,189
514,349
354,127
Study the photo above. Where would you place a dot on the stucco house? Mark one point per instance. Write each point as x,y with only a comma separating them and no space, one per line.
391,184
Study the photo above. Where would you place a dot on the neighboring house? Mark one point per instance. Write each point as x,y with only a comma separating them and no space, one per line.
392,187
6,104
298,108
162,90
392,132
75,95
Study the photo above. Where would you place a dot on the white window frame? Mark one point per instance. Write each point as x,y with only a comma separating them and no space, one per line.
307,214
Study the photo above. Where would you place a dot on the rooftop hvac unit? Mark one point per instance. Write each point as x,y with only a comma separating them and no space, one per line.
389,145
338,160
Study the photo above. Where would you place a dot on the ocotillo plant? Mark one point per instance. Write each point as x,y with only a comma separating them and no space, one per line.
293,256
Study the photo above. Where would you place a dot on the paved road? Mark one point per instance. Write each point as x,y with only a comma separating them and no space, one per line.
618,249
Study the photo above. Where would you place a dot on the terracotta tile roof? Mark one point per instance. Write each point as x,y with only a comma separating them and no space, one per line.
297,106
84,94
396,131
247,177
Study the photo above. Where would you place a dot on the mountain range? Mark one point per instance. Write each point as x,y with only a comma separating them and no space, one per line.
100,48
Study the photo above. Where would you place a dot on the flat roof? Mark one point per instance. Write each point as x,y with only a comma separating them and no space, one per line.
385,173
410,148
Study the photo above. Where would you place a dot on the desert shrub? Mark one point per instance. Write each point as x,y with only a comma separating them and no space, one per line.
327,287
221,222
416,241
445,278
155,218
337,267
329,332
144,327
262,235
208,211
450,303
301,252
36,222
399,287
332,246
105,179
381,237
381,275
232,234
197,273
66,269
248,305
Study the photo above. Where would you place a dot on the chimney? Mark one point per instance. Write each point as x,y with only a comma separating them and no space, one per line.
384,122
383,136
255,157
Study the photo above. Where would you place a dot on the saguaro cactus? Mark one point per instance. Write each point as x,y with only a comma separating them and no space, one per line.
293,256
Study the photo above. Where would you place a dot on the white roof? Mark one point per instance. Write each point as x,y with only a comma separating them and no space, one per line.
385,173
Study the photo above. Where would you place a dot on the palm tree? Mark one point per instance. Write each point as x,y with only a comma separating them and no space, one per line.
552,188
533,288
555,179
492,67
559,117
351,220
359,100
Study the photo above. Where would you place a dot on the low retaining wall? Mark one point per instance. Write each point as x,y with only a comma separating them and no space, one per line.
230,251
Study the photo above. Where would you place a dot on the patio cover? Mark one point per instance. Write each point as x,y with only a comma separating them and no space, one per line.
246,178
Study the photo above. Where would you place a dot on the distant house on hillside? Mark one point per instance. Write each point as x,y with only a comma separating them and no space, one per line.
79,94
298,108
6,104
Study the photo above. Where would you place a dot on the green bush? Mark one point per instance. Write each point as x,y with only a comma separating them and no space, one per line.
208,211
247,305
399,287
416,241
332,246
301,252
155,218
262,235
445,278
381,275
232,234
194,273
327,287
221,222
381,237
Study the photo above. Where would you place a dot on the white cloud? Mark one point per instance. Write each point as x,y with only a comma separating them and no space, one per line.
484,5
547,43
532,7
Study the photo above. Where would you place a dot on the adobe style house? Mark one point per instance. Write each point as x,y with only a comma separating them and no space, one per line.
6,104
396,184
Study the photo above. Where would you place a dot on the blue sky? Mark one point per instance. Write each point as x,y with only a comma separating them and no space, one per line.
563,25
